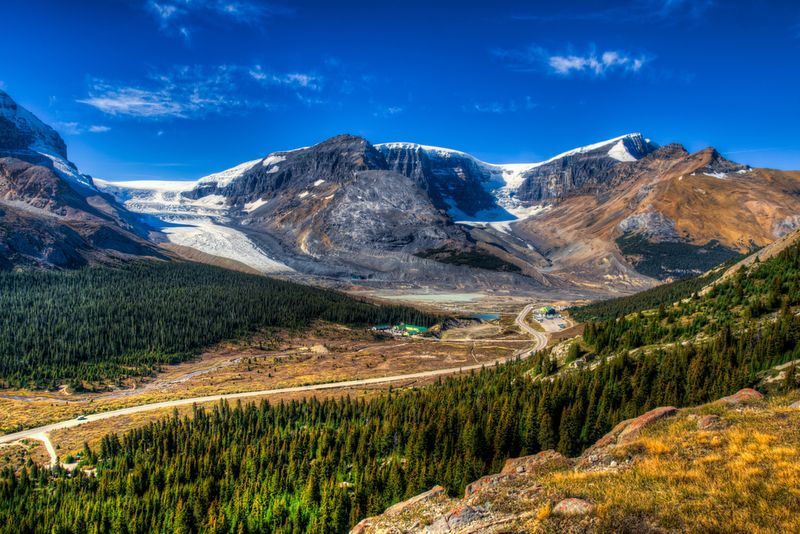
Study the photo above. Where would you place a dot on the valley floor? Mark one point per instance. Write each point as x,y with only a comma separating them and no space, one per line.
325,361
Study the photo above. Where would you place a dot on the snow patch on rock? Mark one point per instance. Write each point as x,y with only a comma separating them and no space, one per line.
223,178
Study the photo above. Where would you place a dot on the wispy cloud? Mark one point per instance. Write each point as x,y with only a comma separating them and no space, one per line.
134,101
195,91
178,17
664,11
75,128
590,62
301,80
498,108
385,112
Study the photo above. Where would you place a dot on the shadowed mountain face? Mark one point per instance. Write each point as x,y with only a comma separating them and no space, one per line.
50,215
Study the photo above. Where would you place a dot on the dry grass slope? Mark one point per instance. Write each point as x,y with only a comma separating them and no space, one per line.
715,468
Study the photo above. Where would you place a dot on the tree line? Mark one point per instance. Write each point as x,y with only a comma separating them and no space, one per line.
99,324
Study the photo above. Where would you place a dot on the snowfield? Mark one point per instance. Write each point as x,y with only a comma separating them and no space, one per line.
222,241
196,223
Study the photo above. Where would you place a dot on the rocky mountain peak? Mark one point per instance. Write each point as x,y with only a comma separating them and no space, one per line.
21,130
710,161
670,151
351,147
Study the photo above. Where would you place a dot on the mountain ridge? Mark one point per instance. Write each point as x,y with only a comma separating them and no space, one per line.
292,204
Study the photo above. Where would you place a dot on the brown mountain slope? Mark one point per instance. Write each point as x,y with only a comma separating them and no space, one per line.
669,214
44,221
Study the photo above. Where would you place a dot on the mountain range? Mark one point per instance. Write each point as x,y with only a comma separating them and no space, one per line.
614,216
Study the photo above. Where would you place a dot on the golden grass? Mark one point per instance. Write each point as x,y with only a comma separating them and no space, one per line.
269,360
744,478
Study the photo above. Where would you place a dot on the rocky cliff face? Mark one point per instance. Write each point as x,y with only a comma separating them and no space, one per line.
453,180
50,214
588,168
21,131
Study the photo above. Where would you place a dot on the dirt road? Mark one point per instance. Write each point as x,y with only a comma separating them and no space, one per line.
41,433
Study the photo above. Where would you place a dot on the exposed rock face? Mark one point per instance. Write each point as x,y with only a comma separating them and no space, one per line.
400,507
743,396
21,131
456,519
541,462
709,422
45,222
572,507
452,179
564,176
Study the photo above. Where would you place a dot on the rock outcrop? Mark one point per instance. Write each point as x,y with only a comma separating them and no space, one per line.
742,397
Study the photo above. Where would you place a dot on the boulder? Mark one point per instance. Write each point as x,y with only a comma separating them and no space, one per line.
418,499
635,427
709,422
486,482
456,519
536,464
743,396
795,404
572,507
362,526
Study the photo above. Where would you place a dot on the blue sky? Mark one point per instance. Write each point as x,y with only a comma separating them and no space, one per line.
175,89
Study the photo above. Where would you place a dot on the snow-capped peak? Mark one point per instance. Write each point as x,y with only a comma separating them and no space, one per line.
26,135
617,151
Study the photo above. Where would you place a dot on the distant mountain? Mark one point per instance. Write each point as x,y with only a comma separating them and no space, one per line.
50,214
614,215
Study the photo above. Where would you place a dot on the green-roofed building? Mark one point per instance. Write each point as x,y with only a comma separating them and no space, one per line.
411,329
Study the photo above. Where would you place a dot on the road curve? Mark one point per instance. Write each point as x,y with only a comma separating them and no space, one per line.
41,433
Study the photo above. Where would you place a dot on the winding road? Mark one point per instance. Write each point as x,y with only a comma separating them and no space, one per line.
42,433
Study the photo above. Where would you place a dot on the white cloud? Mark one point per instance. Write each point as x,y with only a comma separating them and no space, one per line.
134,102
75,128
598,65
291,79
591,63
180,16
384,112
164,12
199,90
